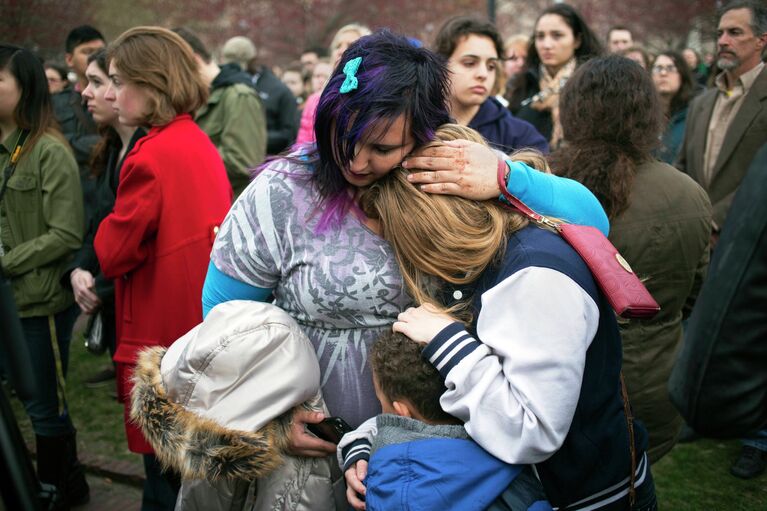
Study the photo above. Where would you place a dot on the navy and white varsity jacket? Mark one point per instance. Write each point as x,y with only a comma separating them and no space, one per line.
543,385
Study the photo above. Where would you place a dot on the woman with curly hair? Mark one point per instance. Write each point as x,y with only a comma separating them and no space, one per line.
674,83
561,42
660,220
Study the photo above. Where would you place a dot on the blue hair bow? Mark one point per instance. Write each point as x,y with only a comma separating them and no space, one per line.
350,70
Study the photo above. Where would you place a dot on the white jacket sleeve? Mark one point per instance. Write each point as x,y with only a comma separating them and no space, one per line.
516,388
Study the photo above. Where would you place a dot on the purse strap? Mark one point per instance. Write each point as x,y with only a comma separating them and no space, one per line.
532,215
632,448
518,204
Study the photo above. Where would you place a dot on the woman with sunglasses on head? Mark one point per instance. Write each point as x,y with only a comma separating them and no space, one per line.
57,77
41,225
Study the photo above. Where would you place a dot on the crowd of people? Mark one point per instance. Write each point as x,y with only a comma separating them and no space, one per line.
423,342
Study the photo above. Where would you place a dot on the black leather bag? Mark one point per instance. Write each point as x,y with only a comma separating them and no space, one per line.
95,341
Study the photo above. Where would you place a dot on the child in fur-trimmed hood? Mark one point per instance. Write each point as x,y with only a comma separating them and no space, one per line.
216,406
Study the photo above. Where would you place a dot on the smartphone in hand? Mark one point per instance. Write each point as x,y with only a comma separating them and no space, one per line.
331,429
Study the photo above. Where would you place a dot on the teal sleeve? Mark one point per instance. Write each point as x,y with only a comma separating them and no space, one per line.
556,196
220,287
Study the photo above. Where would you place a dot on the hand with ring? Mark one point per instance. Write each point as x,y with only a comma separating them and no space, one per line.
457,167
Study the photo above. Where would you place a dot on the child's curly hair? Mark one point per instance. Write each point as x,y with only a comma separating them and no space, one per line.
402,374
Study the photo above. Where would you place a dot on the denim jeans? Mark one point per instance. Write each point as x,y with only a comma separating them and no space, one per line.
43,407
758,440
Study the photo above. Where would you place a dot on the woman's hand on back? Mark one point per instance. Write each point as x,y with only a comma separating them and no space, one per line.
422,324
303,443
458,167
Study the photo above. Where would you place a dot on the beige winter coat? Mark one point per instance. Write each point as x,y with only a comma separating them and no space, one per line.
216,406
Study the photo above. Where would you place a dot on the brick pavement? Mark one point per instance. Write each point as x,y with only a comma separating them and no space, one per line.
109,495
106,495
124,472
115,485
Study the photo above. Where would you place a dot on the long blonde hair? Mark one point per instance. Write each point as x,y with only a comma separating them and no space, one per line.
442,236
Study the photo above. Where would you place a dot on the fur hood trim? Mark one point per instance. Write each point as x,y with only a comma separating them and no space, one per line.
198,447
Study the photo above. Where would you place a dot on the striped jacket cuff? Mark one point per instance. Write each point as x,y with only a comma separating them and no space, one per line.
355,451
449,347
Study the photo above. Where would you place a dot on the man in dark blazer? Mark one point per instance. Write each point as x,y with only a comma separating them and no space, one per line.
719,382
727,124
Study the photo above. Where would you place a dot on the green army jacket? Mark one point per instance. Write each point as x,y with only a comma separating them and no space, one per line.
41,223
234,120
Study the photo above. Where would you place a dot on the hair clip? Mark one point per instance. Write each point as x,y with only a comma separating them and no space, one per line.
350,70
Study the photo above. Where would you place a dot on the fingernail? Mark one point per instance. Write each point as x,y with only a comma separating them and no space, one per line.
404,163
409,177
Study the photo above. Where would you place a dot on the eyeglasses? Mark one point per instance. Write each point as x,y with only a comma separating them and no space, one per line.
658,69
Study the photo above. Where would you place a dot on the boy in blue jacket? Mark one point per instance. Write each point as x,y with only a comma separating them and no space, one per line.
418,457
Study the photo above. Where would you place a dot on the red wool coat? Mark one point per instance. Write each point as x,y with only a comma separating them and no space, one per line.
173,194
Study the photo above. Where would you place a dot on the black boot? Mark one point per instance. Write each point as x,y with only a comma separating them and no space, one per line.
77,490
57,465
751,463
50,453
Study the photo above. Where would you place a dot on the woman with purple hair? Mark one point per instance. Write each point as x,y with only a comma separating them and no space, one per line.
297,233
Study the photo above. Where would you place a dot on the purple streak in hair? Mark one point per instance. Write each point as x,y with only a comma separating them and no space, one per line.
395,78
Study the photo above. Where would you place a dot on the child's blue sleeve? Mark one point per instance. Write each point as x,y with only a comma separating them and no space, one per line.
220,287
556,196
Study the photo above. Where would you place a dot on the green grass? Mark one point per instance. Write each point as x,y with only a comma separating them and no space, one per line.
691,477
696,476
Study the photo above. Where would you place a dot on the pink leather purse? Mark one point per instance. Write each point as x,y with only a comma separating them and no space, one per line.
623,289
